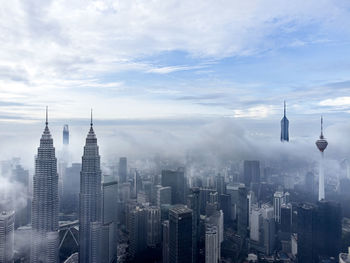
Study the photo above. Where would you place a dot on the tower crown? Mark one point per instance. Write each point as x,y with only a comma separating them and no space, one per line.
321,143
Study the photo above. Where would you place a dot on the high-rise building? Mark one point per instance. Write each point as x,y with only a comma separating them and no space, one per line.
193,203
165,245
217,220
109,220
225,206
220,184
329,229
284,126
137,231
180,234
122,169
153,226
268,229
211,244
242,212
278,199
71,185
251,173
7,228
163,195
90,200
65,135
321,144
176,180
306,221
45,201
286,218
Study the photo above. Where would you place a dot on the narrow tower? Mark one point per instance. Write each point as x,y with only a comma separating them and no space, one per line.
90,201
321,144
44,244
284,126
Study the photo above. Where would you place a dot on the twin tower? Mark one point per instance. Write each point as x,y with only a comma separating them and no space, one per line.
45,204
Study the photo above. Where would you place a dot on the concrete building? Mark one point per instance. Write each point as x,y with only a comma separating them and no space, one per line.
180,234
7,227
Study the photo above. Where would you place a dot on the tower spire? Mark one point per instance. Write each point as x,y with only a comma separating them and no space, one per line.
284,108
47,118
321,126
91,119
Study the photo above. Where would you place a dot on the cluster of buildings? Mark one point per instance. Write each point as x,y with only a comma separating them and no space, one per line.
74,212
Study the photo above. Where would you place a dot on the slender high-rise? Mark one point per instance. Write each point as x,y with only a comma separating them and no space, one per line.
7,227
284,126
321,144
90,201
45,202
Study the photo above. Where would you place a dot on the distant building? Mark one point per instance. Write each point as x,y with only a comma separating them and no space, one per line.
279,198
163,195
45,202
176,180
71,186
122,169
242,212
65,135
251,174
7,228
284,126
180,234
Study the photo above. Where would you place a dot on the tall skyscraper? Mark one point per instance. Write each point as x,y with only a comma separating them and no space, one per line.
7,227
65,135
122,169
109,220
251,173
193,203
211,244
306,221
242,212
180,234
137,231
45,201
321,144
329,229
165,245
176,180
153,226
284,126
163,195
279,198
90,200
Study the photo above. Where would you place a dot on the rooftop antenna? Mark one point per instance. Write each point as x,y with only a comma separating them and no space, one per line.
47,118
91,119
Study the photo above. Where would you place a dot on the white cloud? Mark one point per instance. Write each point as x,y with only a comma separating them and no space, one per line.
336,102
50,49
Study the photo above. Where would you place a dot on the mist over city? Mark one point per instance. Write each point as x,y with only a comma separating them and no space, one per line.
174,131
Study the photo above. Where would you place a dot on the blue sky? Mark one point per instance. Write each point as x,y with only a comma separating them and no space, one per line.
174,59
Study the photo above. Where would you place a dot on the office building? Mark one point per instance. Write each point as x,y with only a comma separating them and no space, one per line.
176,180
180,234
193,203
212,246
7,228
153,226
90,201
164,195
122,169
45,201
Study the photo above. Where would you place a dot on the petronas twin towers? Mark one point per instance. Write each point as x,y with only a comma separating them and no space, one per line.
45,239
